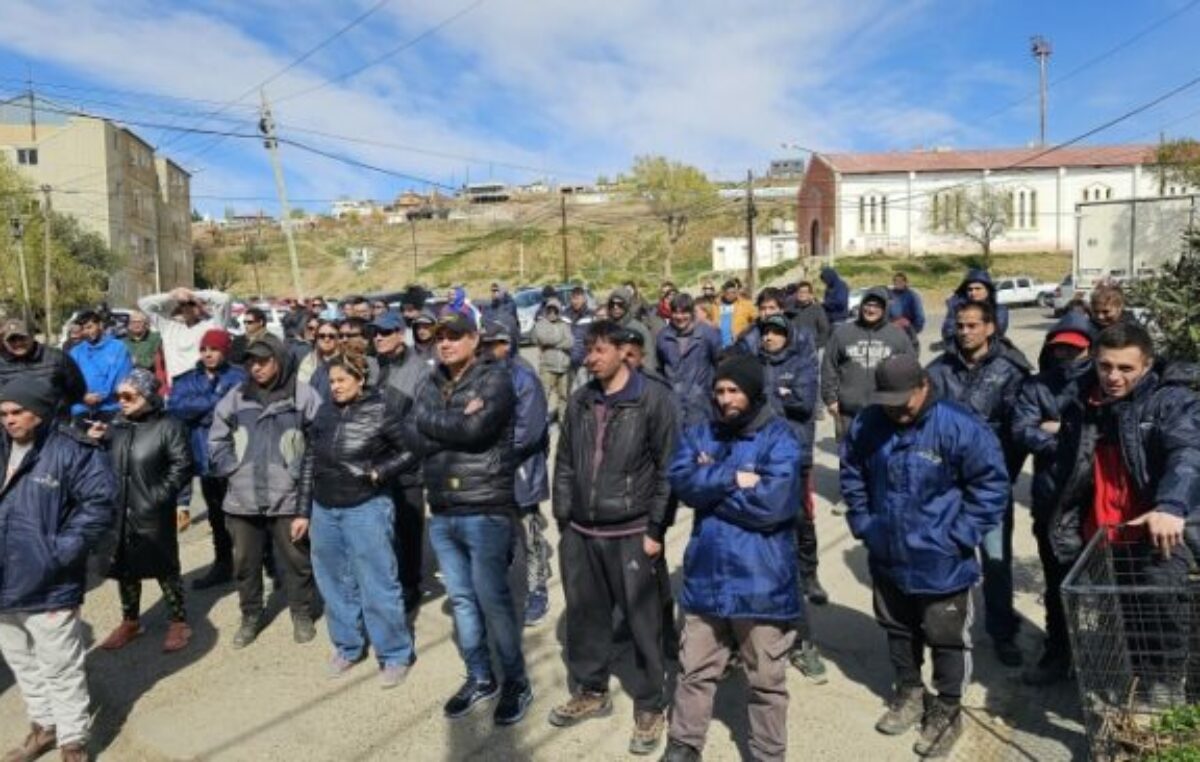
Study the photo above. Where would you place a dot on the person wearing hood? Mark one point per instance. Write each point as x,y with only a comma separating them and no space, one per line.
23,356
809,316
837,296
740,573
852,354
554,340
687,354
977,286
103,361
503,309
152,462
790,376
1064,364
984,373
620,311
257,442
423,339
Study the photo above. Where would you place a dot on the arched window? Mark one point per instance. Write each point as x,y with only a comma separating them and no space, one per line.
872,213
1022,209
1097,192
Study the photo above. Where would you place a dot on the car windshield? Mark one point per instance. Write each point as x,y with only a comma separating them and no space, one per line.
527,298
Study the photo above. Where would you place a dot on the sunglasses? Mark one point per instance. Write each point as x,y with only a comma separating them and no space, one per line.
126,396
384,332
330,336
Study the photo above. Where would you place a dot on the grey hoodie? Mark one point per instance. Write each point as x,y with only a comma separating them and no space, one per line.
853,351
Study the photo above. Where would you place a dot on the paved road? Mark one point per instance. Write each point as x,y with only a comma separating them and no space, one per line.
272,700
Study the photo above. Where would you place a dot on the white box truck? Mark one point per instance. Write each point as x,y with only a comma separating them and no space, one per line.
1129,239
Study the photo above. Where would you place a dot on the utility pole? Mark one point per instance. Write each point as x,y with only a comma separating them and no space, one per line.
32,108
412,226
266,125
1041,49
751,213
17,229
47,256
563,229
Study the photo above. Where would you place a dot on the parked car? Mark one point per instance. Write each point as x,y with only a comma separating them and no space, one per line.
1021,291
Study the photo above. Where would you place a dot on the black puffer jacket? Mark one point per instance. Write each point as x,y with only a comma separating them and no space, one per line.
619,477
152,460
347,442
56,367
467,460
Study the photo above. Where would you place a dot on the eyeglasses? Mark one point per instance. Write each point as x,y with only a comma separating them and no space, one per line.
126,396
329,336
384,332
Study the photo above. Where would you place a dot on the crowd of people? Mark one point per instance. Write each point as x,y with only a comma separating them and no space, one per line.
326,457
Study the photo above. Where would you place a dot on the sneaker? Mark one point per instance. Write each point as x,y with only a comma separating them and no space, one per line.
939,730
582,706
1008,652
807,659
392,675
303,629
218,574
815,592
39,741
1051,668
648,730
73,752
471,693
679,752
537,605
179,634
247,632
124,634
905,710
339,665
515,699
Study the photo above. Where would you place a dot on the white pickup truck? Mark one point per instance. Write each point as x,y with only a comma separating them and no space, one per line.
1023,291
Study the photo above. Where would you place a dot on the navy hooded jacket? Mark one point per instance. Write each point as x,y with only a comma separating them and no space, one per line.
531,434
790,380
687,362
959,297
837,296
922,497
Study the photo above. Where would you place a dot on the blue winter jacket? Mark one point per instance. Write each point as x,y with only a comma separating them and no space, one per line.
104,365
503,310
690,371
194,397
580,322
906,304
922,497
959,297
837,296
52,512
531,434
1042,398
741,560
790,379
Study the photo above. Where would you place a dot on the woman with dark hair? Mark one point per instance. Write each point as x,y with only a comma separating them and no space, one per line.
355,450
152,461
325,346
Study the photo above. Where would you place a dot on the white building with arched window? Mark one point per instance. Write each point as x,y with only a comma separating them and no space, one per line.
909,202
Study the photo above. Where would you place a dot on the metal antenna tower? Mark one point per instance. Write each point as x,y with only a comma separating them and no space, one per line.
1040,47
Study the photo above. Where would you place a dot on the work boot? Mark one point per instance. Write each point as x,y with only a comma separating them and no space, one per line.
248,631
303,629
582,706
73,752
807,659
124,634
39,741
939,730
1051,668
905,710
220,573
679,752
648,728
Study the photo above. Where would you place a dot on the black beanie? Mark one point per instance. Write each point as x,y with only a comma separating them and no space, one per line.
32,394
744,371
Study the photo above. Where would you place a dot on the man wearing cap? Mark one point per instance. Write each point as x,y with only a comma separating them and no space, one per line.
104,362
1064,365
462,428
740,574
401,372
531,446
610,502
257,442
687,354
924,481
58,497
852,354
182,317
194,397
735,313
984,373
22,356
620,311
554,340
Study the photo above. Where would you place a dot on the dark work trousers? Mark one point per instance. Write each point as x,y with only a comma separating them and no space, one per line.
1057,641
942,622
600,574
250,534
409,539
806,529
213,489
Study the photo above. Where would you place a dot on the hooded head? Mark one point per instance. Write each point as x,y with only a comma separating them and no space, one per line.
269,346
1074,333
829,276
875,294
977,275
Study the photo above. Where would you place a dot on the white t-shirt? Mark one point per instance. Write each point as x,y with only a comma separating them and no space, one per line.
16,456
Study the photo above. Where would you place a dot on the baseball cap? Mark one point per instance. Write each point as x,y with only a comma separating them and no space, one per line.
424,318
389,321
456,322
1076,339
629,336
776,322
494,331
14,327
895,380
259,348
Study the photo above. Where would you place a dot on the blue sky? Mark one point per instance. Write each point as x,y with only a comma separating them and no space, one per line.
522,89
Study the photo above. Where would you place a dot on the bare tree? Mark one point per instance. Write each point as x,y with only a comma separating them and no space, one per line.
675,192
981,214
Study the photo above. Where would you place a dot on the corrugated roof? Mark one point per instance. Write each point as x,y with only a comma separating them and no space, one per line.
940,160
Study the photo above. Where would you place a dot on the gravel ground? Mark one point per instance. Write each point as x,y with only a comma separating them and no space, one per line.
272,700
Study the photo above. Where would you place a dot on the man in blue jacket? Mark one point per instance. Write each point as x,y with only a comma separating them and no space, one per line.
740,573
687,354
924,481
977,286
104,362
837,296
58,498
905,310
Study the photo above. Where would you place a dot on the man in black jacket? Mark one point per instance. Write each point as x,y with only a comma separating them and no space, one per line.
22,355
461,427
610,501
809,316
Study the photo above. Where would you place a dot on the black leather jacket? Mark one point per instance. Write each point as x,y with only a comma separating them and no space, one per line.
467,460
623,479
53,365
349,442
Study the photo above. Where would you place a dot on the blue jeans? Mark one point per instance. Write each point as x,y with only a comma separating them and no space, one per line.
1000,620
355,566
473,553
